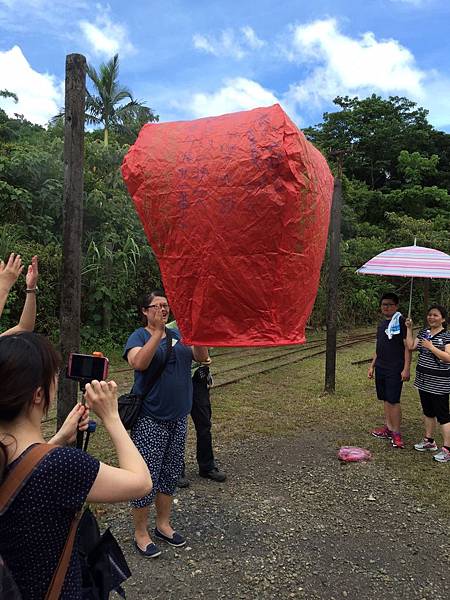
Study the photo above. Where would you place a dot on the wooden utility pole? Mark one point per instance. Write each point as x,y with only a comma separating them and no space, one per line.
74,111
333,279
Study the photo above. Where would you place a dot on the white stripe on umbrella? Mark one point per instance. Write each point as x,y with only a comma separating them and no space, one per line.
410,261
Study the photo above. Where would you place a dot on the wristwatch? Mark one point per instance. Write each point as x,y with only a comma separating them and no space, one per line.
32,291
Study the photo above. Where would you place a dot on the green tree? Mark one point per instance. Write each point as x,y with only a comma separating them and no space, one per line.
8,94
373,131
117,260
107,105
415,167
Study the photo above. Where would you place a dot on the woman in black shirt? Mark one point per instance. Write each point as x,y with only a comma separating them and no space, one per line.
35,527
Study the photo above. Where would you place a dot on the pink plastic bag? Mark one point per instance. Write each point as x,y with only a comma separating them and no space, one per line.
353,454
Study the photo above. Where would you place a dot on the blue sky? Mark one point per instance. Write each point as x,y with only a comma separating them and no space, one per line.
189,59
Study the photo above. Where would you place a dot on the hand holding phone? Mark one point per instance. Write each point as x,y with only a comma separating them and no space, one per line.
101,397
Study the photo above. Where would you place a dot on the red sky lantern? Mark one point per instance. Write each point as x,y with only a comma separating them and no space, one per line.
236,209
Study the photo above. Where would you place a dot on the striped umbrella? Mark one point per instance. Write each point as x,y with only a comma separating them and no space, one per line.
410,261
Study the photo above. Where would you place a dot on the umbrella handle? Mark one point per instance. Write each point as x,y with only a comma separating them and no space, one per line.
410,297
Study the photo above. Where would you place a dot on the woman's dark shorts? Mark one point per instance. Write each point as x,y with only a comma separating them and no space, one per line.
435,406
389,385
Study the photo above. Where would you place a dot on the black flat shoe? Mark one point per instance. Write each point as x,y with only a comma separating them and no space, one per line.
152,550
215,474
176,540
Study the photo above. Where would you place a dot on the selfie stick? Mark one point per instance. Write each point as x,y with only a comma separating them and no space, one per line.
91,428
83,381
80,434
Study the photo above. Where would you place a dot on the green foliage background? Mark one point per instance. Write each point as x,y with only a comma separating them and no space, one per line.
396,183
118,263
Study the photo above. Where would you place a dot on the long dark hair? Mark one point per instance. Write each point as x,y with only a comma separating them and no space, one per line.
443,312
27,361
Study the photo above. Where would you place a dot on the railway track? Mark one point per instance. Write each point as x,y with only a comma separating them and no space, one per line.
267,359
278,357
224,371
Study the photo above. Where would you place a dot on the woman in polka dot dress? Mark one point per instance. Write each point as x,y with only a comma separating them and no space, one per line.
160,432
34,528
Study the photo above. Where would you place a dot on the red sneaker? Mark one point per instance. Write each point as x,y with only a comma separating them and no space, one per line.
397,441
383,433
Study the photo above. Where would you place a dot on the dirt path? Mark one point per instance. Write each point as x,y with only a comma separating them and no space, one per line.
292,522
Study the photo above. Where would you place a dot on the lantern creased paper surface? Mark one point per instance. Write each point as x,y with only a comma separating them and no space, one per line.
236,209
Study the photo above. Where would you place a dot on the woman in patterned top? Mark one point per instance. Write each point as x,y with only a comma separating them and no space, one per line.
34,528
433,378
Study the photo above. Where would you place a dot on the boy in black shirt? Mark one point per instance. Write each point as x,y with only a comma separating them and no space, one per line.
391,365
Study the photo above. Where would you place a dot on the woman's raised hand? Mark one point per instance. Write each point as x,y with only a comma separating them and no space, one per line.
101,397
77,419
158,319
32,274
409,322
425,343
10,272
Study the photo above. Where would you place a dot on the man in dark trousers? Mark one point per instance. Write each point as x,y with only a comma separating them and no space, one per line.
391,367
201,416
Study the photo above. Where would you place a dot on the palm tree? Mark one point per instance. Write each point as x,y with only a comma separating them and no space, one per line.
8,94
105,105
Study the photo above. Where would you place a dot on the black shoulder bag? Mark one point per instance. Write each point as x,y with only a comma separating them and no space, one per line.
130,405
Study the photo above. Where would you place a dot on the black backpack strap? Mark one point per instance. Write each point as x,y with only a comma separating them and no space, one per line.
159,371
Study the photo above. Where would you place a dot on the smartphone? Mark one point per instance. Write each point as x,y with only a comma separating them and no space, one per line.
86,367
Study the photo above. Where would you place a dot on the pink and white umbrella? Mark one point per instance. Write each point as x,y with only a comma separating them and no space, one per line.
410,261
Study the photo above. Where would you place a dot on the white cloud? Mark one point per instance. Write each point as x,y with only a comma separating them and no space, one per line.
226,45
436,99
107,38
355,63
40,94
337,64
251,38
28,15
229,43
413,2
201,42
237,94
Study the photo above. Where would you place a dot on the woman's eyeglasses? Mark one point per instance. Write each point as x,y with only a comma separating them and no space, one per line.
161,306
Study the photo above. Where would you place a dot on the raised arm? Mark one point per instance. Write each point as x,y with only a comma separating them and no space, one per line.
77,419
411,342
140,357
442,355
9,274
131,479
28,316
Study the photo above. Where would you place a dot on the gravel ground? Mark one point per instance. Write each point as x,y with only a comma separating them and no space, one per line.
293,522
